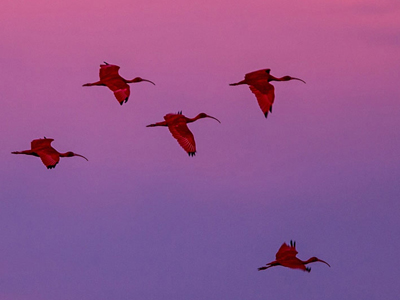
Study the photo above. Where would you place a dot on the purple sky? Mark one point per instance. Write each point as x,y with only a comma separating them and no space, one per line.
141,219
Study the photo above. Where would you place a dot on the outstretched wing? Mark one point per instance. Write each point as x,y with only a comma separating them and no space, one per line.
265,94
286,251
41,143
49,157
121,92
184,136
110,77
108,71
256,75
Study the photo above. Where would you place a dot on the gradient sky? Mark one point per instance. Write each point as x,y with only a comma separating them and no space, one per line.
141,219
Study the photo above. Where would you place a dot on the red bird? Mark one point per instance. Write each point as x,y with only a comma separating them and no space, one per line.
177,125
43,149
109,77
258,82
286,256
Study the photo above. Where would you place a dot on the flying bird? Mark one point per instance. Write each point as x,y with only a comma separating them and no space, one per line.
109,77
259,84
177,125
43,149
286,256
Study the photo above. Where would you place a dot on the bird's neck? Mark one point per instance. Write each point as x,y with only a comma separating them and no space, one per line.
310,260
191,120
136,79
273,78
66,154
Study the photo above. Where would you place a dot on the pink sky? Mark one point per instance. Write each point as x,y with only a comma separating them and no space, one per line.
141,219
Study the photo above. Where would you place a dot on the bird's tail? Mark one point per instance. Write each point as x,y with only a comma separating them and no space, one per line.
262,268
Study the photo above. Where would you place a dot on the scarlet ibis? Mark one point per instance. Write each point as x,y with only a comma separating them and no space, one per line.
43,149
109,77
177,125
286,256
258,82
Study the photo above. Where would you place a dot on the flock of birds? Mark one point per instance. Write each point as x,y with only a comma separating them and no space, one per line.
259,84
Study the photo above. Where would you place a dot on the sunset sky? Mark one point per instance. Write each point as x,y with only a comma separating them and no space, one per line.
143,220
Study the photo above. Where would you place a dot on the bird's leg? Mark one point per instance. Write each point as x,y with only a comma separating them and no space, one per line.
27,152
163,123
94,83
269,265
240,82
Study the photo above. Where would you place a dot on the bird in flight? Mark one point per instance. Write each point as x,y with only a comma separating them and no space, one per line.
259,84
109,77
286,256
43,149
177,125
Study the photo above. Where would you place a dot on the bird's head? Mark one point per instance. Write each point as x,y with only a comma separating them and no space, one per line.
139,79
70,154
267,71
314,259
287,78
204,115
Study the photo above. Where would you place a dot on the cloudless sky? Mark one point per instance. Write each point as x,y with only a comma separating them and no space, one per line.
141,219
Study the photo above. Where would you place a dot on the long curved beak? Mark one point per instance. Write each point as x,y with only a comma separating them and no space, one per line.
214,119
80,156
298,79
324,262
148,81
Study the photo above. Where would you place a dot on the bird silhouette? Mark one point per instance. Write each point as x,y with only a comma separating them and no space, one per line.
43,149
286,256
259,84
177,125
109,77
